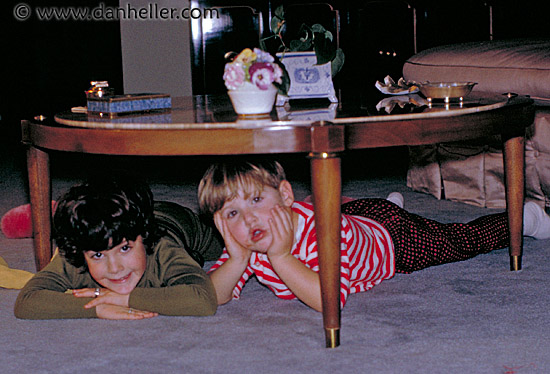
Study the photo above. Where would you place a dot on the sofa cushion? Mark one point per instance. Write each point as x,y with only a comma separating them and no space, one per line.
521,66
471,172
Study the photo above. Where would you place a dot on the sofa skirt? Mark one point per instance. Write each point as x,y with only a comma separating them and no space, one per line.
473,172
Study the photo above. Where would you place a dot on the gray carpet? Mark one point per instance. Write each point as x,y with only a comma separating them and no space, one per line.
468,317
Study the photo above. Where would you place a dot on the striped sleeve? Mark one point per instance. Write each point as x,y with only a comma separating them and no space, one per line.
366,252
369,252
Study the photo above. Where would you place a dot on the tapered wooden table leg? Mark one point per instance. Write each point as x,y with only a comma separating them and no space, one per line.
514,158
38,165
326,185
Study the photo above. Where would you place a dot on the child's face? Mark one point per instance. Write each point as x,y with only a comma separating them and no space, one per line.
247,215
119,268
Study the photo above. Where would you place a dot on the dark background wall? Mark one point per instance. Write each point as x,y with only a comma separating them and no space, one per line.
48,64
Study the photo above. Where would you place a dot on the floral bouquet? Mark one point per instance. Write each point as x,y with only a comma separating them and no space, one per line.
258,68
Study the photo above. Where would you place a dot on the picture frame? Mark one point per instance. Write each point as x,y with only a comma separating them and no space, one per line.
307,79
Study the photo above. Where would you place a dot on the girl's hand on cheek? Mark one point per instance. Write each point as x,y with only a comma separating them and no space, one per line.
235,250
282,231
218,221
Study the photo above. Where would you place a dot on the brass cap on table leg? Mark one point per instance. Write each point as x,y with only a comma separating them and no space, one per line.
332,337
322,155
515,263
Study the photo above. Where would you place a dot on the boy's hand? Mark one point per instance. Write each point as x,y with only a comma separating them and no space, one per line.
236,251
105,296
109,311
111,305
282,231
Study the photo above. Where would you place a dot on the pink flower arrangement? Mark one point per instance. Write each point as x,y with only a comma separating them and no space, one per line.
254,66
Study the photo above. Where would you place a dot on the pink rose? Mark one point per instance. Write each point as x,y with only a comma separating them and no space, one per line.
261,74
233,76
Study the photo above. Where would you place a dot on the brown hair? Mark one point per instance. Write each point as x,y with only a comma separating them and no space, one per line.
223,181
100,213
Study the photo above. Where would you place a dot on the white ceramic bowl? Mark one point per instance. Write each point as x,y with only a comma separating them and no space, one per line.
250,100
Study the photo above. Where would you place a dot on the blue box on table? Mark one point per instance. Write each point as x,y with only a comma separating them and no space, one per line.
128,104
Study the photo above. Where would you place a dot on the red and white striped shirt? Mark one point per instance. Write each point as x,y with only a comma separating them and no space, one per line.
366,255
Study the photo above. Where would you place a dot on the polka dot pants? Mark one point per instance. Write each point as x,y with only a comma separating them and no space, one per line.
420,242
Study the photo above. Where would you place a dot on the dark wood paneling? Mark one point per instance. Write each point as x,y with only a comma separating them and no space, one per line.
237,26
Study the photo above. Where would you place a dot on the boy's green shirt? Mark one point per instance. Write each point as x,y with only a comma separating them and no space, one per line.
173,284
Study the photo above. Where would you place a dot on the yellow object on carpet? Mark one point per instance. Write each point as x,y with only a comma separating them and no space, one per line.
13,278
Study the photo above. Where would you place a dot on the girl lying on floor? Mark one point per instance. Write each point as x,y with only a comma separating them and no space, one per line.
270,235
122,256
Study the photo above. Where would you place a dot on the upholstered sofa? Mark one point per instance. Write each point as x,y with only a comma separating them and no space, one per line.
472,172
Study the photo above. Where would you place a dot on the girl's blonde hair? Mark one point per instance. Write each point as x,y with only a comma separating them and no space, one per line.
223,181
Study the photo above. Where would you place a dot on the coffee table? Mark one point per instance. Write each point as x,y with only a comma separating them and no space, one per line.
207,125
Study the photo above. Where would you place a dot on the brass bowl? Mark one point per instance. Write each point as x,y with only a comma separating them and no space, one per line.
446,90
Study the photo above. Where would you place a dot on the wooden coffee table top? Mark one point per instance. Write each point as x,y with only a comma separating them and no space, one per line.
204,125
215,111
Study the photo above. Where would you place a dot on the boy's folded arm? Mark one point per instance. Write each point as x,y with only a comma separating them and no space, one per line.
196,297
46,304
174,284
43,298
45,295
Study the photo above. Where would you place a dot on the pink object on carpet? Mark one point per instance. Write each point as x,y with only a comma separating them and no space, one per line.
17,222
